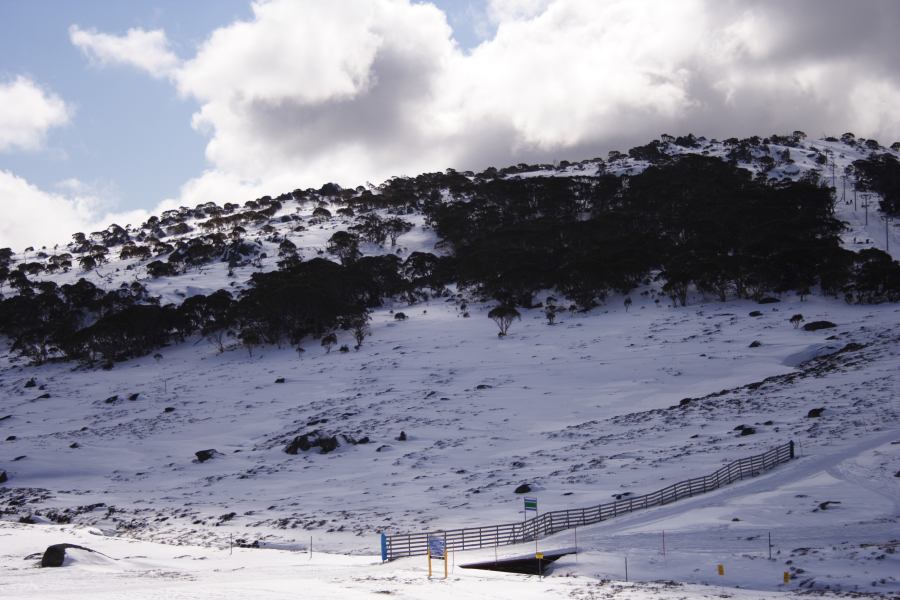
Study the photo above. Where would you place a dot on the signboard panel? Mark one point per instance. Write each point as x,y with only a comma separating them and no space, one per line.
436,547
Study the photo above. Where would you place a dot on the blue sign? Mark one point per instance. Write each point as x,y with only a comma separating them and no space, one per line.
531,504
384,552
436,547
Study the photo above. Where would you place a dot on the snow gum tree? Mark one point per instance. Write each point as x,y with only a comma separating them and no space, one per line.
503,316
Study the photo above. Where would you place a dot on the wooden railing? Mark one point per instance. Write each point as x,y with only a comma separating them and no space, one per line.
472,538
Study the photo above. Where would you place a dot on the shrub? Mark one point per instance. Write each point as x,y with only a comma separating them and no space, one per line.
503,316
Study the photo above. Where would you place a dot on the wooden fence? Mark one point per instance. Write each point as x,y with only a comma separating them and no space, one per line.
472,538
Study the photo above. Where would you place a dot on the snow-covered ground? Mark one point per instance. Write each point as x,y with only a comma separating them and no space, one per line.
582,410
148,571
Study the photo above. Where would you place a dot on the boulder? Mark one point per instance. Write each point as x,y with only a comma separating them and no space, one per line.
755,313
353,441
815,413
205,455
31,383
112,399
279,380
3,477
328,444
401,437
55,555
313,439
755,344
301,442
817,325
522,489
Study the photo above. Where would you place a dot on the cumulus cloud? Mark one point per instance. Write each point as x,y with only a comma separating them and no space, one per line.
305,92
35,217
145,50
27,112
503,11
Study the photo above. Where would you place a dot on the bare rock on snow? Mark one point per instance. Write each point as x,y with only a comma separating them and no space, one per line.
313,439
817,325
205,455
55,555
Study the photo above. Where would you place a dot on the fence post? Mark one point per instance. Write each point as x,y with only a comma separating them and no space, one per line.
791,444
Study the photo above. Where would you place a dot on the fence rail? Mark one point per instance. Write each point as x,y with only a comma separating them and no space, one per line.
472,538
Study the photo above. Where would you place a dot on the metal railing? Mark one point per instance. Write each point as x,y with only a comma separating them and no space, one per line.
472,538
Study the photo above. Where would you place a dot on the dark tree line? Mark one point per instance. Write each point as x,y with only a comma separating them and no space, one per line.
307,299
880,173
695,223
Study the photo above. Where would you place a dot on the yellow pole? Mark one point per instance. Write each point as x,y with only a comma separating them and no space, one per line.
787,577
429,563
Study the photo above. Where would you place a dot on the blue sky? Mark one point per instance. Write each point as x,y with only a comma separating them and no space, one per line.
244,100
130,134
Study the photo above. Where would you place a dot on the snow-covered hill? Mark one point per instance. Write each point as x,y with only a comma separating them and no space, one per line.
619,399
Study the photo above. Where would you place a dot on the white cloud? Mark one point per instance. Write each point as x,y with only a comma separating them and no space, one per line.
351,79
35,217
504,11
27,112
360,90
145,50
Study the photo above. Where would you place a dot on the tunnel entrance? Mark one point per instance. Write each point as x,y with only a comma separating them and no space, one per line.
526,564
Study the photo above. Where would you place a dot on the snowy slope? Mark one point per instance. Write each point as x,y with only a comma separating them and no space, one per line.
581,410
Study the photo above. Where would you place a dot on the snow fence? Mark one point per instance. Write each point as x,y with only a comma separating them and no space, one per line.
473,538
